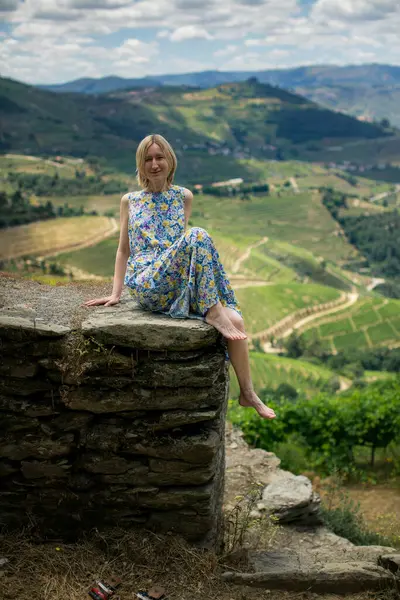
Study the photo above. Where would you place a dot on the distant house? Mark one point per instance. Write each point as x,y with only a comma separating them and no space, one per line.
230,182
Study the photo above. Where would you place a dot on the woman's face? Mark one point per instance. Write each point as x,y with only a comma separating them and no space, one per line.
156,165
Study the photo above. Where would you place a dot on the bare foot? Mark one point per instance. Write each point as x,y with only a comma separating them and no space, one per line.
250,399
218,318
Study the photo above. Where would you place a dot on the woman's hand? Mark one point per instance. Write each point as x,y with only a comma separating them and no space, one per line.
107,301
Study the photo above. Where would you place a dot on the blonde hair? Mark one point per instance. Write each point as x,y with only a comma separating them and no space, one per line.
141,153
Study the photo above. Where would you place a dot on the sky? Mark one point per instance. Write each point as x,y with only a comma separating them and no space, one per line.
54,41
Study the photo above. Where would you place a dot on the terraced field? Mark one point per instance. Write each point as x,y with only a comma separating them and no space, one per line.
260,265
101,203
19,163
363,187
100,258
283,262
264,306
299,219
46,237
270,371
372,321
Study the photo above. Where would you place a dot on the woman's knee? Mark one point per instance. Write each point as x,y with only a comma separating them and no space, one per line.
196,235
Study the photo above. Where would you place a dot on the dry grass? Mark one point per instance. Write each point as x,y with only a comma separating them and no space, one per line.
379,506
54,235
57,571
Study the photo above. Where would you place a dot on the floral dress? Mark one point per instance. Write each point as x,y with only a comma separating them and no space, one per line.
169,270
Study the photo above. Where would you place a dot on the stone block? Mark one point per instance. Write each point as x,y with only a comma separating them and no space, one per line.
24,387
12,422
329,578
7,468
27,406
199,498
176,375
290,498
72,421
38,470
130,400
179,418
107,464
139,329
199,449
19,368
187,523
35,446
171,473
43,347
104,437
28,329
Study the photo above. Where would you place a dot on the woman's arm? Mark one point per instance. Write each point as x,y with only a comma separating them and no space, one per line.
188,205
120,260
123,248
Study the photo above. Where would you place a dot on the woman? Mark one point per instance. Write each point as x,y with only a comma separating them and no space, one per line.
171,269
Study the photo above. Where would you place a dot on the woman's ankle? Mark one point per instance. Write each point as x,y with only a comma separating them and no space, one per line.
215,309
247,389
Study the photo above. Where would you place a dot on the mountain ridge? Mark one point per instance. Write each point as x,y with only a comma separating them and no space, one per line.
313,74
370,91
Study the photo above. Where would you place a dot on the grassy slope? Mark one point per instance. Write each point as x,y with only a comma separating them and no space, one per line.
263,306
271,371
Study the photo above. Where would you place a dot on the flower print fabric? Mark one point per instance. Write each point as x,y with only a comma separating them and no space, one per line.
169,270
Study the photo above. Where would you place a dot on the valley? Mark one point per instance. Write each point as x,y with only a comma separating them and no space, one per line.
305,225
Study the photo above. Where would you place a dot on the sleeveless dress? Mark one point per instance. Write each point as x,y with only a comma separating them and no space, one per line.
169,270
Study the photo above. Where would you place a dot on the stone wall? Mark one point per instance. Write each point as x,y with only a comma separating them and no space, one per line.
116,421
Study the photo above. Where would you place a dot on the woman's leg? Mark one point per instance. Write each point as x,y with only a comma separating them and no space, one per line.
239,356
208,282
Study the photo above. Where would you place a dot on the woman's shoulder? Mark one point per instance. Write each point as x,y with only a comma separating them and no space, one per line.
184,192
131,195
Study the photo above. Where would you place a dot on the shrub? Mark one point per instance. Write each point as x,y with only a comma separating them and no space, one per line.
330,426
341,514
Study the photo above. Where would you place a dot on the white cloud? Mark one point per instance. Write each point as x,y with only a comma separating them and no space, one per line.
57,38
79,57
8,5
96,4
189,32
255,42
227,51
355,10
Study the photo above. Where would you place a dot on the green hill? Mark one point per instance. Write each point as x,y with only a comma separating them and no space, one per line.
375,102
271,371
210,129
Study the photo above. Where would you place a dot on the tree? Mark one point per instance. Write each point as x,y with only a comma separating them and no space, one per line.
3,200
17,199
294,346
